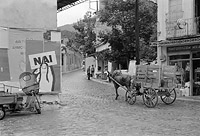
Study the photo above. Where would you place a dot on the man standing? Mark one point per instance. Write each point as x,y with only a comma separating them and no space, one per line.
92,71
88,73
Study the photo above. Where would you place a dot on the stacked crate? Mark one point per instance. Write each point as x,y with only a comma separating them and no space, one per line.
156,76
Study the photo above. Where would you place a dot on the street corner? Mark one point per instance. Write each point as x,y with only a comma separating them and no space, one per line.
49,97
50,101
50,106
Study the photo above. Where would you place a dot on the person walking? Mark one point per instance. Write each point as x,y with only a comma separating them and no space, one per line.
88,73
92,71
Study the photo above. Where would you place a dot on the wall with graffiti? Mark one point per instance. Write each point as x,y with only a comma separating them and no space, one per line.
16,51
45,65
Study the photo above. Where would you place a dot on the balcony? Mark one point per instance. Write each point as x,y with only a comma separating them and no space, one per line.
183,28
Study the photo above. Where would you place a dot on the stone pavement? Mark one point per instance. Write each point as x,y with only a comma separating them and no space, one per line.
89,108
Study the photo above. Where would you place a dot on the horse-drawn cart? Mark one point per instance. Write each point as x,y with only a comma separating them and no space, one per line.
150,82
154,81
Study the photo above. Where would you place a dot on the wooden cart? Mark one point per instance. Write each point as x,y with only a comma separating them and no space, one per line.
154,81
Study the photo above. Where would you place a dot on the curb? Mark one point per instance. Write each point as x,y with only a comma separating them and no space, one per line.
103,82
188,99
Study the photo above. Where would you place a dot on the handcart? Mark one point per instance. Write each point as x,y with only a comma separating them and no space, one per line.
13,102
153,81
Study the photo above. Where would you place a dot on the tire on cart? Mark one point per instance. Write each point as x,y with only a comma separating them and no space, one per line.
2,113
170,96
37,106
130,97
150,97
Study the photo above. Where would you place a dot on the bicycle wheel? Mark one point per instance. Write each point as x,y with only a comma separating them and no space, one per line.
150,97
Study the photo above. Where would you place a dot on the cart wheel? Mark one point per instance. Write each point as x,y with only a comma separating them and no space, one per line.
170,96
150,97
2,113
130,97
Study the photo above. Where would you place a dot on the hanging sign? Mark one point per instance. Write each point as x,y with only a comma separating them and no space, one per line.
183,48
46,57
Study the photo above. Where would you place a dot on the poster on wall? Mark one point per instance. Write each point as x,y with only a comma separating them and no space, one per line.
46,57
17,50
44,65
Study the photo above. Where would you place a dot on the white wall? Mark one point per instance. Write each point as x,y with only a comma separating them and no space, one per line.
188,8
28,13
89,61
163,14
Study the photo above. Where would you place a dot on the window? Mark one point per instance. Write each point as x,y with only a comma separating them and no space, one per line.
181,62
196,55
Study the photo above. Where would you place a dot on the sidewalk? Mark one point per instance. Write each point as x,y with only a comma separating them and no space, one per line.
182,98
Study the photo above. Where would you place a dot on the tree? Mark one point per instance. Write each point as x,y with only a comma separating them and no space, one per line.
120,16
85,37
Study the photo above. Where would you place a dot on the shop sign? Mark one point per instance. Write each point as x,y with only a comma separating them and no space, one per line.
46,57
183,48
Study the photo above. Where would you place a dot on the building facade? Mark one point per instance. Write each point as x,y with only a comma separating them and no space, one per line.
71,59
22,42
178,43
101,65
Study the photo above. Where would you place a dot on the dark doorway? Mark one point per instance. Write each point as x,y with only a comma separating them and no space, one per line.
197,14
4,65
196,75
197,8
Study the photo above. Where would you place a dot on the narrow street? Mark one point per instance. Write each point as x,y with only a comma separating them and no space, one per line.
89,108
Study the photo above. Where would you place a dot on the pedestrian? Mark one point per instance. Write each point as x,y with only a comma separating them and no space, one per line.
92,71
88,73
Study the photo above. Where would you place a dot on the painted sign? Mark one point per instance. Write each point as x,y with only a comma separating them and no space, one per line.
47,57
47,74
183,48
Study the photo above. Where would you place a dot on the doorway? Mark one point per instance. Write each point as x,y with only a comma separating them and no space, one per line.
196,75
197,8
197,14
4,65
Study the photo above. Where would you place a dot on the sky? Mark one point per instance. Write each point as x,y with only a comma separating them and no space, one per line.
73,14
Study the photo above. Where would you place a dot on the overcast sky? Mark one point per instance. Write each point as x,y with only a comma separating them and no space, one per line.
73,14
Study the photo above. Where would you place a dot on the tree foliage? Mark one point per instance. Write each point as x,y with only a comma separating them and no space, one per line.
85,37
120,16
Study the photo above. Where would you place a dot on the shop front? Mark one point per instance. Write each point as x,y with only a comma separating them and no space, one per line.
187,59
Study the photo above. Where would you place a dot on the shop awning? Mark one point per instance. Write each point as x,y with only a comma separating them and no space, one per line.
65,4
180,42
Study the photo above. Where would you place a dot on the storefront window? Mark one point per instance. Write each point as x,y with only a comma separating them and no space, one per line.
183,67
196,55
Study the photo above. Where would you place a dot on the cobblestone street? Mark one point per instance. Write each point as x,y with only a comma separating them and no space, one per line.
88,108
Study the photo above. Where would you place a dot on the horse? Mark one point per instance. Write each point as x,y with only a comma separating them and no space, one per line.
120,79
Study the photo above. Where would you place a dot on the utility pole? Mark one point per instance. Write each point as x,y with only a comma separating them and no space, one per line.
137,33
